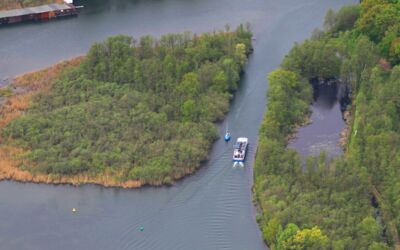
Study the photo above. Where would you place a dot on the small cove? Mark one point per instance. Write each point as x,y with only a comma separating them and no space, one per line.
330,100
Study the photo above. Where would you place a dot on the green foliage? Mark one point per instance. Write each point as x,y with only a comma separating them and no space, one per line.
377,16
343,20
140,110
361,59
368,231
378,246
110,61
286,237
308,239
332,199
289,98
294,238
314,58
272,230
376,145
389,44
330,19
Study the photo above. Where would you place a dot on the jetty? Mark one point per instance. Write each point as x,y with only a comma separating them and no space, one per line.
38,13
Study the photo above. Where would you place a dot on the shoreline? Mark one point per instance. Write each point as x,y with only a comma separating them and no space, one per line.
345,132
13,173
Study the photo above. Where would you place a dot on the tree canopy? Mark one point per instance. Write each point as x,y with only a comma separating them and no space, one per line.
326,204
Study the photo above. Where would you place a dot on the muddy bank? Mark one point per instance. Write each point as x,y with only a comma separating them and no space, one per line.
345,133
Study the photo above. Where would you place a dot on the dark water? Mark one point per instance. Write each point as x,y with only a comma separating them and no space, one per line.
323,134
209,210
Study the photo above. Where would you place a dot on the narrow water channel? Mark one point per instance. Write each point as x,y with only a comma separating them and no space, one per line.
211,209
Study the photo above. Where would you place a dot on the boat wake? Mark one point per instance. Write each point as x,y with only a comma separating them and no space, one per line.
238,164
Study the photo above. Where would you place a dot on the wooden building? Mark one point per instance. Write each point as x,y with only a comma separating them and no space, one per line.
43,12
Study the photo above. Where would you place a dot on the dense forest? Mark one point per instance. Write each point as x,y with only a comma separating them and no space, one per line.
16,4
353,201
136,109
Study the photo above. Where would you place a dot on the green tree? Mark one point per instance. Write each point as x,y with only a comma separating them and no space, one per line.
271,231
346,18
368,231
309,239
378,246
329,21
376,17
365,56
286,237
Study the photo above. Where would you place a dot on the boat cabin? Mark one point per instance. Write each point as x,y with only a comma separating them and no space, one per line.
240,147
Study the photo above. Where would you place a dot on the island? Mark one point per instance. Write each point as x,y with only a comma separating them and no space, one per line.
129,113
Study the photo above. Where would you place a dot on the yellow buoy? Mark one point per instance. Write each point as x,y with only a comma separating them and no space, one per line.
74,210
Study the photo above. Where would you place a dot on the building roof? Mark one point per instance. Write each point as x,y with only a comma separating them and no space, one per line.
34,10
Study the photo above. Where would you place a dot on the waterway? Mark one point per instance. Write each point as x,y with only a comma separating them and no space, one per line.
211,209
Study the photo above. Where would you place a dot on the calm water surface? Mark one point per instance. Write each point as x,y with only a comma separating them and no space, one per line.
323,133
211,209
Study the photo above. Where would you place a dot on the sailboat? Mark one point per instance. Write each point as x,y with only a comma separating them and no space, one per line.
227,136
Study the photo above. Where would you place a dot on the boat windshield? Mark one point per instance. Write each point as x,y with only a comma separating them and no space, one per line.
237,145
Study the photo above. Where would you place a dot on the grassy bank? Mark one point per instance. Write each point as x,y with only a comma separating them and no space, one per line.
138,112
327,205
